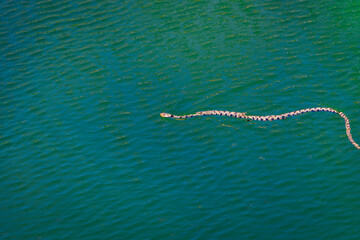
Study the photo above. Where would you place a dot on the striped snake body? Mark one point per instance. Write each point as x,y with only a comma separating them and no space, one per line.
268,117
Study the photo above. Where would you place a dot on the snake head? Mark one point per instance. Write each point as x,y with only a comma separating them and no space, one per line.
165,115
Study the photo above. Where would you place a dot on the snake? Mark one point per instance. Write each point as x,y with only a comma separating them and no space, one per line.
268,117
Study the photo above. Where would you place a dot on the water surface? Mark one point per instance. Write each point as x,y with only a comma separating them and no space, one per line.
85,155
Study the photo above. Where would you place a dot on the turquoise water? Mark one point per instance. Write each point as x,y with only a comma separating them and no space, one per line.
85,155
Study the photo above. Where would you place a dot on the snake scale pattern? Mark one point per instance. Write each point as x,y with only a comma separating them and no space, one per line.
268,117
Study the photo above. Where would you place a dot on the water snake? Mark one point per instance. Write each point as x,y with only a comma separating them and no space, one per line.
268,117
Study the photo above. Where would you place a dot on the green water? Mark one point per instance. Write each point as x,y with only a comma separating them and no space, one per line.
85,155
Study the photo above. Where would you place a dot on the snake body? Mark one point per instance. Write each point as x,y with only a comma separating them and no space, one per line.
268,117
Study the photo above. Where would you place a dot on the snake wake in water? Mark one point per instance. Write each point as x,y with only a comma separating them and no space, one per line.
268,118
